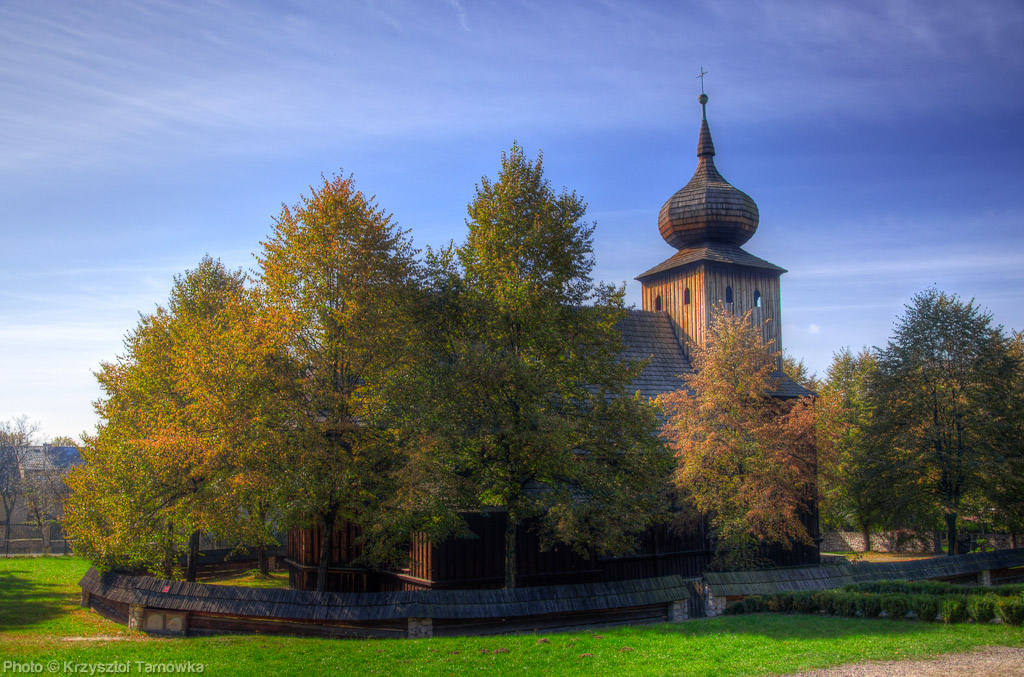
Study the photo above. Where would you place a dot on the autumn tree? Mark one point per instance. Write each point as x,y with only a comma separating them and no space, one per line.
1004,492
745,460
337,269
529,403
942,386
152,466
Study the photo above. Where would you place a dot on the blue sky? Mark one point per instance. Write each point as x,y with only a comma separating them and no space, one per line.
882,141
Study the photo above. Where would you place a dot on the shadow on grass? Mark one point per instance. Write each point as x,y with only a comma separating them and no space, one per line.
25,601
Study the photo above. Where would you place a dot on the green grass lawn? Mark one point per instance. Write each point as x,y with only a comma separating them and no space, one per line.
40,620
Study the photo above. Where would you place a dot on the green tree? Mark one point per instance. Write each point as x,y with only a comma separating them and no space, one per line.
797,370
1004,492
152,466
850,490
338,273
941,387
745,460
530,408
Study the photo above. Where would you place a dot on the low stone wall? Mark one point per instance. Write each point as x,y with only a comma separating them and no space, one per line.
906,541
881,541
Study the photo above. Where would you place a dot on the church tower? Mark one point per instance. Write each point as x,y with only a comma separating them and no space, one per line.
706,221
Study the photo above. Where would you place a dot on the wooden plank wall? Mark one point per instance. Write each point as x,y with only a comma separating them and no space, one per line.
688,320
707,283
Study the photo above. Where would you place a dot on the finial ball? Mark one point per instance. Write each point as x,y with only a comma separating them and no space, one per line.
703,99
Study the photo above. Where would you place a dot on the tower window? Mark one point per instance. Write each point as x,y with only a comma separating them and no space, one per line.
728,294
757,299
657,302
686,297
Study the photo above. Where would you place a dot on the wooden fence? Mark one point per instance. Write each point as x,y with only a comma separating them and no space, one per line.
172,607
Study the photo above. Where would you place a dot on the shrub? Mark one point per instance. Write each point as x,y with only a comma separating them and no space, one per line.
748,605
870,605
845,603
926,607
1011,610
1006,590
894,605
825,599
780,603
804,603
954,610
982,608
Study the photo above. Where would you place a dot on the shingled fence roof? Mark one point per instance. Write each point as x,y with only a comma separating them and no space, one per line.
769,581
571,601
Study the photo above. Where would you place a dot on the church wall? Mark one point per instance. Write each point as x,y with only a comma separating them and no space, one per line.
707,283
688,320
744,282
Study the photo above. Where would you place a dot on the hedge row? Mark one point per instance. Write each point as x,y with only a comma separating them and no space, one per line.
933,588
950,608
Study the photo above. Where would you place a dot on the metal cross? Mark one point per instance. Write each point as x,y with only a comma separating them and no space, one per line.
701,76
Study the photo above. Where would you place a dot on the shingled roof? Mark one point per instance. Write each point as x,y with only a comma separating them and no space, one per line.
648,335
717,252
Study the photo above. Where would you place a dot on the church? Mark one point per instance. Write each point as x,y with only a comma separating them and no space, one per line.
706,221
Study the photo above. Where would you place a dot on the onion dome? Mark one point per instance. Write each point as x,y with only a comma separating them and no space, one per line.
708,208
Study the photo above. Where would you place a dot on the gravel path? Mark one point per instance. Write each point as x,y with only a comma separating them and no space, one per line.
990,661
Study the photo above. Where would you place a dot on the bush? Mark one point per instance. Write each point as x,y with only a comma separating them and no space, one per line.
780,603
845,603
926,607
825,599
1010,590
1011,610
954,610
748,605
804,603
982,608
870,605
894,605
906,588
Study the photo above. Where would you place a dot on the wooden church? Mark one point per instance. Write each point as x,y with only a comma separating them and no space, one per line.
707,221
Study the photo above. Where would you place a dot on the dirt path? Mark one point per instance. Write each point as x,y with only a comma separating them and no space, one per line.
990,661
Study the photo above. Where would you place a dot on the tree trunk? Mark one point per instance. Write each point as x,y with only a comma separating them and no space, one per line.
192,558
326,545
951,533
510,552
1013,539
865,532
261,556
169,553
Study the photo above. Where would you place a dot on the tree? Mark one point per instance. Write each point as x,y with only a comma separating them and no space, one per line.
849,488
338,271
942,385
151,469
745,459
15,439
529,408
796,370
1004,492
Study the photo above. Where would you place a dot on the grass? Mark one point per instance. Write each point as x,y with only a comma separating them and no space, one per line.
40,621
881,556
251,579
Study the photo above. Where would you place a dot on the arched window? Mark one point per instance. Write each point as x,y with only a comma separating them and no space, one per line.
757,299
686,297
728,294
657,302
